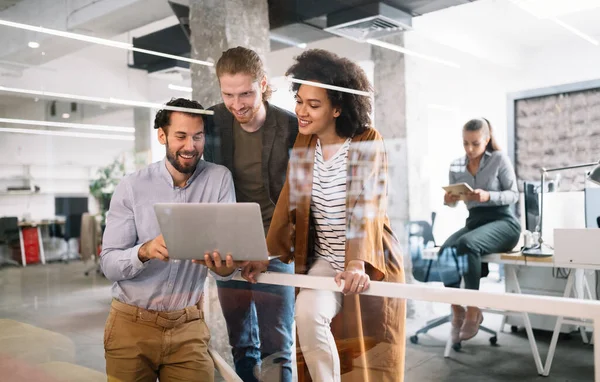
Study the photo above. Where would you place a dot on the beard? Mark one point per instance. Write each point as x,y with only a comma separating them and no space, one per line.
249,116
182,167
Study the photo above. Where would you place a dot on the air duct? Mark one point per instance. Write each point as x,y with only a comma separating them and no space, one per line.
371,21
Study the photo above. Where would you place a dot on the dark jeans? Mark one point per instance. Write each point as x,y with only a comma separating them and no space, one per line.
488,230
260,320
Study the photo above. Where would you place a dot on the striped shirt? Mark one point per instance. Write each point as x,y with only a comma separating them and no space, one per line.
328,205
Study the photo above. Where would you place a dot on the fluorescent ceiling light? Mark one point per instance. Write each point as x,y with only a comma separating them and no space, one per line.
33,44
549,9
114,101
68,134
575,31
99,41
180,88
330,87
409,52
555,8
81,126
287,41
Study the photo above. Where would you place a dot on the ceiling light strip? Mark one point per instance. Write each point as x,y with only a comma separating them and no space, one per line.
330,87
537,11
180,88
68,134
575,31
409,52
81,126
114,101
286,41
99,41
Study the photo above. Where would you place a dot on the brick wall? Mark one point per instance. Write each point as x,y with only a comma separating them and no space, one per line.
557,130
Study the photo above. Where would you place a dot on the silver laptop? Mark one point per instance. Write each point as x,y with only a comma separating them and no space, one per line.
191,229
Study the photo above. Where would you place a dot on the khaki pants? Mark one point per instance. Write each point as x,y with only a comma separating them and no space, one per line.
142,345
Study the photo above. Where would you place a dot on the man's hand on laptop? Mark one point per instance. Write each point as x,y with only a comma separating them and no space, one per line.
214,262
154,249
253,269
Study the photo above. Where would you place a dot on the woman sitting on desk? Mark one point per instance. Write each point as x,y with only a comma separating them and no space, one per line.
491,226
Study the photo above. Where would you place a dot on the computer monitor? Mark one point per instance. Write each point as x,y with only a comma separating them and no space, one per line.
531,196
592,207
532,207
70,205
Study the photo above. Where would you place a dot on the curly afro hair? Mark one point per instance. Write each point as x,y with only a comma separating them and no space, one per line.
328,68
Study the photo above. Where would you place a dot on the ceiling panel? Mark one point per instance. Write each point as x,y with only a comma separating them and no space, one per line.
4,4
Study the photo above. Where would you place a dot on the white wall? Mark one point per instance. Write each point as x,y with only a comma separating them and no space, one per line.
440,99
65,165
58,165
557,65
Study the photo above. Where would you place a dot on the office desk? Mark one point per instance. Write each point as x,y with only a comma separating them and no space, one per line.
512,262
26,227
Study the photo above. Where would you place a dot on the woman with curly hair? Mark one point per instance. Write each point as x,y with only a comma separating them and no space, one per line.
331,221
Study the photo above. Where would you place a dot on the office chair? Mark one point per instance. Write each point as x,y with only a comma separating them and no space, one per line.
9,236
447,268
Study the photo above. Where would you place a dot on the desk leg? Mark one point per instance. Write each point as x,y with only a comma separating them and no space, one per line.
22,243
448,347
503,322
586,289
559,322
596,339
511,272
41,244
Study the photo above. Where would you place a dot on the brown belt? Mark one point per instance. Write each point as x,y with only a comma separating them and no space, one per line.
166,320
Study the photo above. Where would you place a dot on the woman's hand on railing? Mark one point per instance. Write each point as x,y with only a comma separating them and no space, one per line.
355,278
253,269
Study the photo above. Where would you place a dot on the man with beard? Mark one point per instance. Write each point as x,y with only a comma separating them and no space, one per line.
155,328
253,139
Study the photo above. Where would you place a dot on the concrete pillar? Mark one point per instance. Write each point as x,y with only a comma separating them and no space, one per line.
390,119
216,26
143,120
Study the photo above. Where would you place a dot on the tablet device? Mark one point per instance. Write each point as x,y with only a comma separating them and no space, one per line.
190,229
459,189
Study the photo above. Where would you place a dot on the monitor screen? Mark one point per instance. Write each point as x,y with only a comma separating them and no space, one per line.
592,207
71,205
532,207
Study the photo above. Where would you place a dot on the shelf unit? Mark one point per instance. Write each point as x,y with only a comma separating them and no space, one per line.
50,178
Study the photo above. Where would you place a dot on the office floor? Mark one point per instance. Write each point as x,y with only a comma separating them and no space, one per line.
61,299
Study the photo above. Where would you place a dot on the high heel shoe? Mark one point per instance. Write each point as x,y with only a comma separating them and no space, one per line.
470,328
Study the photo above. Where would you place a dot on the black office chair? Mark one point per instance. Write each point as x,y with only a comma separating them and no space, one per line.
448,268
9,236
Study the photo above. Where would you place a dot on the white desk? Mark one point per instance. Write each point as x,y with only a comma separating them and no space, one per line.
512,262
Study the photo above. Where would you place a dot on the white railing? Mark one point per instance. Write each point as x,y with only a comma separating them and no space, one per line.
553,306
